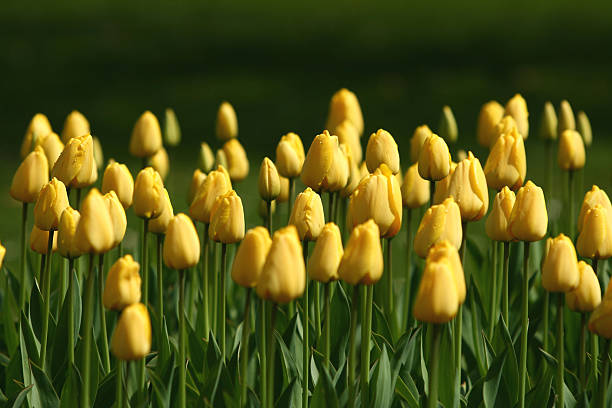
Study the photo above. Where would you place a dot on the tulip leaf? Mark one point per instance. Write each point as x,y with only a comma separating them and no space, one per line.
69,396
20,398
408,391
162,381
538,396
291,395
29,340
324,394
491,385
107,388
48,396
36,305
287,359
14,373
382,381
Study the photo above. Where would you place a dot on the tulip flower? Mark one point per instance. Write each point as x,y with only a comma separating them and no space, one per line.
344,105
497,221
587,295
517,108
434,159
98,153
53,147
490,115
30,177
221,159
39,240
117,178
283,196
146,137
290,156
600,323
506,164
251,256
206,158
591,198
75,166
227,219
148,194
67,244
172,129
566,118
442,186
132,337
95,233
39,127
421,133
269,181
307,215
160,162
362,261
448,125
529,219
159,225
216,184
382,149
50,204
197,179
75,125
117,216
560,267
2,254
584,128
182,246
548,126
354,174
122,287
468,186
506,125
325,259
461,155
440,222
571,151
595,238
237,161
227,123
347,134
325,167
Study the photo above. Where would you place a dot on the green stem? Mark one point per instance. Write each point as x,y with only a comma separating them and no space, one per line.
546,312
505,283
366,334
104,334
46,301
62,287
262,354
603,379
571,204
458,334
290,203
317,308
271,351
87,332
182,397
408,279
594,338
160,294
119,386
70,299
306,351
550,167
78,199
205,241
432,401
524,326
22,264
493,305
389,298
560,350
120,250
432,192
244,349
330,208
215,303
223,300
326,327
352,348
269,216
582,352
145,262
41,271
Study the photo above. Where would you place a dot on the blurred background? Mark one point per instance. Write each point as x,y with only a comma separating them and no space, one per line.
279,62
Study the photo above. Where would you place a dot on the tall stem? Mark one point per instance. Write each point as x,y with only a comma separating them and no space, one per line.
87,332
119,386
458,334
244,349
22,264
306,351
317,309
594,338
271,350
182,397
78,199
546,312
104,334
571,204
290,203
560,351
582,352
47,301
524,326
215,302
326,328
366,334
389,298
269,216
223,296
352,348
493,305
408,279
70,299
505,283
160,294
432,401
550,167
263,378
205,303
145,262
603,379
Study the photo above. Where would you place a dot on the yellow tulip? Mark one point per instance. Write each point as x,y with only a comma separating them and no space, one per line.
587,295
434,159
382,149
251,256
2,254
66,234
117,216
497,221
148,194
325,167
560,266
362,261
419,136
39,127
548,127
344,105
571,151
30,177
95,233
221,158
490,115
595,238
50,204
506,125
146,137
461,155
591,198
354,173
227,219
132,337
566,118
237,161
227,123
441,222
172,129
448,125
53,147
283,196
600,321
39,241
415,189
584,128
269,180
122,286
181,246
206,158
117,178
216,184
506,164
290,156
446,251
442,186
76,167
159,225
325,258
468,186
307,215
98,154
517,108
75,125
197,179
529,219
283,276
347,134
363,170
160,162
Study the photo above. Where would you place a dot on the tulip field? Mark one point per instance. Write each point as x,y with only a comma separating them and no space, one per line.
359,276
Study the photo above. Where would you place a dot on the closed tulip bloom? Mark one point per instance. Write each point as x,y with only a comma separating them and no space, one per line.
497,221
347,134
221,158
227,123
600,321
251,256
362,261
172,129
415,189
419,136
344,105
506,125
146,137
448,125
283,196
548,127
215,185
117,215
325,259
587,295
75,166
382,149
595,238
354,173
566,117
50,204
227,219
148,194
591,199
468,187
39,241
529,219
445,251
290,156
117,178
95,233
66,233
122,286
181,246
517,108
307,215
2,254
560,267
206,158
30,177
571,154
39,127
584,128
325,167
283,276
160,162
506,164
53,147
75,125
490,115
434,159
237,161
197,179
98,153
442,186
441,222
132,336
269,180
363,170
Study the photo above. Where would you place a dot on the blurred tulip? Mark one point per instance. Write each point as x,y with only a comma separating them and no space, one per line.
595,238
132,337
600,321
344,105
419,136
497,221
75,125
2,254
362,260
566,118
197,179
324,261
468,186
441,222
117,178
172,129
490,115
39,241
39,127
181,246
122,286
548,126
117,215
560,266
584,128
415,189
506,125
148,194
76,166
160,162
307,215
382,149
227,123
587,295
354,173
506,164
325,167
284,190
591,198
262,210
251,256
269,180
442,186
216,184
448,125
461,155
237,161
571,151
206,158
221,158
517,108
98,153
30,177
50,204
53,147
363,170
347,134
529,219
290,156
159,225
227,219
66,233
434,159
95,233
146,137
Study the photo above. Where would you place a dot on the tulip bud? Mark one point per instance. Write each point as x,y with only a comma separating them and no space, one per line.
566,117
548,127
600,321
497,221
595,238
76,167
415,189
506,164
488,118
448,125
347,134
30,177
95,233
377,197
98,154
196,181
560,267
251,256
529,219
39,127
434,159
325,259
262,210
39,241
53,147
283,276
284,190
517,108
442,186
181,246
132,337
75,125
237,161
307,215
148,194
227,123
50,204
227,219
2,254
117,216
221,158
461,155
362,261
172,129
506,125
66,233
215,185
146,137
160,162
344,105
269,181
571,154
206,158
468,187
382,149
354,173
587,295
584,128
446,251
117,178
290,156
122,286
591,198
419,136
441,222
325,167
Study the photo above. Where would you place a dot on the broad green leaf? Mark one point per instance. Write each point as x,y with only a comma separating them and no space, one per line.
382,383
291,395
69,396
48,396
324,394
105,397
491,385
408,391
20,399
